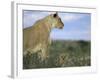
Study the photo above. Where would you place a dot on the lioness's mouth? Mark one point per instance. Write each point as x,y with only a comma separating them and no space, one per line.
60,27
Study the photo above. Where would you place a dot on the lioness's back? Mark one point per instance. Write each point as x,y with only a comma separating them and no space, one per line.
33,35
26,33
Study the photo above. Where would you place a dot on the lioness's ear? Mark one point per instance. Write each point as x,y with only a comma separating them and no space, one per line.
55,15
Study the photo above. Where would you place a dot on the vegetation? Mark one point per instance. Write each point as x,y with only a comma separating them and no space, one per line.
62,54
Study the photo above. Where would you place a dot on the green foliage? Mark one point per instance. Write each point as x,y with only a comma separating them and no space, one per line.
61,54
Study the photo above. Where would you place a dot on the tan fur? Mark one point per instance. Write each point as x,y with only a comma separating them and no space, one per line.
36,37
62,59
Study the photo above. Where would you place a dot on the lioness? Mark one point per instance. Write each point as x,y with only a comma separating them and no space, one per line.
36,38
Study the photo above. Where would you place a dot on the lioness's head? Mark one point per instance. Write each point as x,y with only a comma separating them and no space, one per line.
56,21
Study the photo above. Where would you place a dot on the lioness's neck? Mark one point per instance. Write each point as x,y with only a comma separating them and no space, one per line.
49,21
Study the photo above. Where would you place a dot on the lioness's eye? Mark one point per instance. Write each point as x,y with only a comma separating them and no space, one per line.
59,19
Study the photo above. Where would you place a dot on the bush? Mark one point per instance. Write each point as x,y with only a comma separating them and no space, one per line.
62,54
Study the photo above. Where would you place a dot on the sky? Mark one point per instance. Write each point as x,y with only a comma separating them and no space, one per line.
77,26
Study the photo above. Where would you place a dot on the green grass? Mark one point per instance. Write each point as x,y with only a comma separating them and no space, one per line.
62,54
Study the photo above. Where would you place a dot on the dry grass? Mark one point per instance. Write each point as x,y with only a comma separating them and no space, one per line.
61,54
